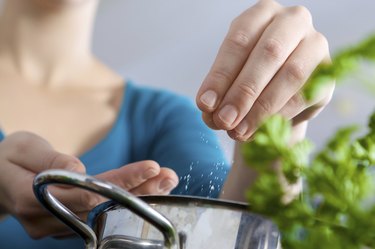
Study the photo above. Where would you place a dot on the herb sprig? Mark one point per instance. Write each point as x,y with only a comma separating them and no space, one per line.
344,63
337,207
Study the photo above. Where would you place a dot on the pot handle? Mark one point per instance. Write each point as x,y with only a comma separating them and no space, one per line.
106,189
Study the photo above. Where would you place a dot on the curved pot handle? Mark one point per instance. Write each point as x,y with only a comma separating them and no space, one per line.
106,189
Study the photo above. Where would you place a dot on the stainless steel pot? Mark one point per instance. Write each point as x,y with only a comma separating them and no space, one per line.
156,222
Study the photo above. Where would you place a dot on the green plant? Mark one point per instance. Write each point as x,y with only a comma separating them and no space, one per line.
337,207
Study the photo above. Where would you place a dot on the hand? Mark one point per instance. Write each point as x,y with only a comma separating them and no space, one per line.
23,155
262,65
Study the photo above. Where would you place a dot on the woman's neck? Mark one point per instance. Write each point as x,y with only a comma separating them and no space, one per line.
46,44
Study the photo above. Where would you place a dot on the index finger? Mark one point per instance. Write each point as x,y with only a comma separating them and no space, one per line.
127,177
242,36
35,154
283,35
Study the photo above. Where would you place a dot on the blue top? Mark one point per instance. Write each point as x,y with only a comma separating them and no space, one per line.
152,124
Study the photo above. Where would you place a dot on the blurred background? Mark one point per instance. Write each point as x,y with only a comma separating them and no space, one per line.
172,44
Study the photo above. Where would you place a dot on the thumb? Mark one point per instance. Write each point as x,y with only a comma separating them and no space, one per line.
35,154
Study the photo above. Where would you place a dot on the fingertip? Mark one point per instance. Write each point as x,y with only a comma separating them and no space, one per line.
56,160
77,166
151,165
226,117
169,174
169,182
234,135
147,169
167,185
207,101
237,137
242,128
208,119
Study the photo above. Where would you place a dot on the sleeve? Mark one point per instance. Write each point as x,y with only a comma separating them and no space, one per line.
183,142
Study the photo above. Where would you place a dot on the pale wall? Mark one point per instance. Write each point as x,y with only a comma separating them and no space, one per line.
172,43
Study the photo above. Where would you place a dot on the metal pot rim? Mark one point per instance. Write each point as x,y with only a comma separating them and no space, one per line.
169,200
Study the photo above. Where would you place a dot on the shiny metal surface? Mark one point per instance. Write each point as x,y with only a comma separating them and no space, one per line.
106,189
157,222
206,224
126,242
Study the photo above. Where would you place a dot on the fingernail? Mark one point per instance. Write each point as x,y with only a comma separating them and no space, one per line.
228,114
209,98
241,129
149,173
166,185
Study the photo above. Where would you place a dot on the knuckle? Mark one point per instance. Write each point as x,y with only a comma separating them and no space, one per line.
238,39
273,48
297,101
300,12
264,105
221,76
248,89
295,71
321,39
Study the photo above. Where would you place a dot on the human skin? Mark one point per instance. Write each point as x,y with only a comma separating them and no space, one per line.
46,64
48,76
261,67
24,154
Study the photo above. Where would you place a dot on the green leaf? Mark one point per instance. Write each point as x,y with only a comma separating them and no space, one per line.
337,207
